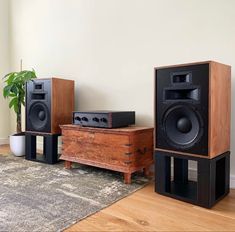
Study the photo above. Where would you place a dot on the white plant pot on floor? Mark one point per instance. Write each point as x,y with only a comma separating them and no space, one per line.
17,144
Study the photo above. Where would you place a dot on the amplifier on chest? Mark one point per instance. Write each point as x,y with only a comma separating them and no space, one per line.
105,119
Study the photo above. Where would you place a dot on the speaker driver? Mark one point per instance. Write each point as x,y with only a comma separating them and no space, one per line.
38,115
182,126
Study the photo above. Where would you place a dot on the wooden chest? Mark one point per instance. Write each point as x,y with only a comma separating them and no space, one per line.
126,150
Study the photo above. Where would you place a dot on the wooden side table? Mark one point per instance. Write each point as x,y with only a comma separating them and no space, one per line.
126,150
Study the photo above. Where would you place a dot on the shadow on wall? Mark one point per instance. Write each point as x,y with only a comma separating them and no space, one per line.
88,98
144,120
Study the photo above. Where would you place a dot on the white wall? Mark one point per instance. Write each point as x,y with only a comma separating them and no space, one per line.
4,69
110,47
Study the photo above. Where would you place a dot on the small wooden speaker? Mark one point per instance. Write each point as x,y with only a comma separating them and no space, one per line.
49,103
193,108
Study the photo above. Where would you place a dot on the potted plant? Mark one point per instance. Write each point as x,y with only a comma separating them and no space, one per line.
15,90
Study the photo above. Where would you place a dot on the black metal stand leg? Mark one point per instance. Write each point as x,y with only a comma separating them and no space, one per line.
163,173
30,147
50,148
180,170
227,174
44,147
205,181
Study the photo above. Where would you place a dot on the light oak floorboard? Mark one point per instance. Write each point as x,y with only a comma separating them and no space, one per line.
147,211
4,149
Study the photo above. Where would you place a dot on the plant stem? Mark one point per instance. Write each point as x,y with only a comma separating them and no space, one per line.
18,119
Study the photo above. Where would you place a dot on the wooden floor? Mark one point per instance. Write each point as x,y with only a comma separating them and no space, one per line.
147,211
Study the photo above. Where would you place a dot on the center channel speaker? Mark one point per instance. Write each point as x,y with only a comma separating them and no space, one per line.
192,108
49,103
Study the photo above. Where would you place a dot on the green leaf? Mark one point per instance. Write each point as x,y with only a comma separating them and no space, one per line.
10,78
15,87
16,109
21,97
29,75
12,95
14,101
7,91
7,75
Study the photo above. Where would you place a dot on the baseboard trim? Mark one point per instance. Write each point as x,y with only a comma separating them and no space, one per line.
4,141
232,181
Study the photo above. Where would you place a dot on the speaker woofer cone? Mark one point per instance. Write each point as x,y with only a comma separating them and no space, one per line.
182,126
38,115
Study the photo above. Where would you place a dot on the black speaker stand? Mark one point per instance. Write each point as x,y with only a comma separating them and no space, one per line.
210,185
50,147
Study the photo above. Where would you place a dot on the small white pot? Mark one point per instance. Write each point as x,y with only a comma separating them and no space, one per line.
17,144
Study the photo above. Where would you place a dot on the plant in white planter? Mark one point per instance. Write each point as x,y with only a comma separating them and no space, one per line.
15,90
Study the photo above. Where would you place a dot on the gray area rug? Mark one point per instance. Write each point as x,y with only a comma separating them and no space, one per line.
41,197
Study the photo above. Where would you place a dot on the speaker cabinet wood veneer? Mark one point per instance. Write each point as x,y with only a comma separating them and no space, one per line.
205,87
219,109
63,103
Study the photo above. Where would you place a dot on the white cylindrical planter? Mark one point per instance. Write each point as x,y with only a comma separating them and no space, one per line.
17,144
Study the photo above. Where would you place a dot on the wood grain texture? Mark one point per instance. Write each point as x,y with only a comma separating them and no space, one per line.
62,103
68,164
147,211
181,65
42,133
125,150
121,130
4,149
183,153
219,109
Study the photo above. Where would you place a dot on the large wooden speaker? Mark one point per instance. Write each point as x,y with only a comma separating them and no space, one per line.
49,103
192,109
